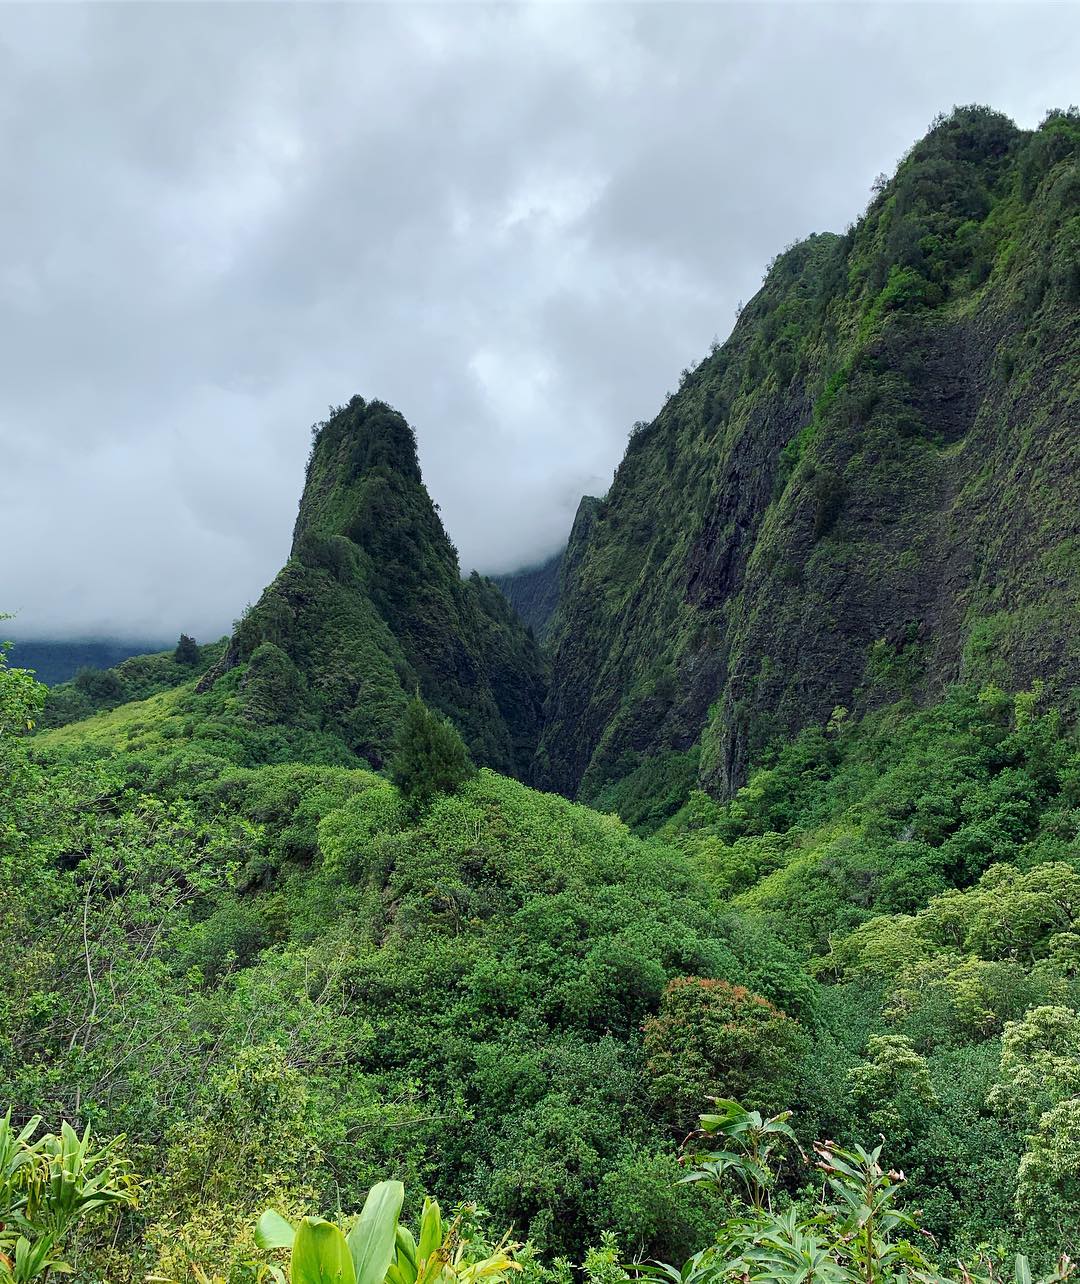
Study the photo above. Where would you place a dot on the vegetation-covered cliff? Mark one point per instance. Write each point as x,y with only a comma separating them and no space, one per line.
371,605
533,592
870,491
369,608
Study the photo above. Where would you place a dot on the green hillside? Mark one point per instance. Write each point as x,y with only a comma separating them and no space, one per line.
94,690
869,491
288,932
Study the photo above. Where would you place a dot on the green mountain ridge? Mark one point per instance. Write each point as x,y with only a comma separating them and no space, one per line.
870,491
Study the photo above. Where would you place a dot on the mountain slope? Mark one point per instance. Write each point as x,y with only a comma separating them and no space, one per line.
371,606
533,592
869,492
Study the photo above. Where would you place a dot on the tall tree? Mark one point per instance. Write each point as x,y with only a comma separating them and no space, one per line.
187,650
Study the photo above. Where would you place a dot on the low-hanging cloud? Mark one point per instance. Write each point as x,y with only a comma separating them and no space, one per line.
516,224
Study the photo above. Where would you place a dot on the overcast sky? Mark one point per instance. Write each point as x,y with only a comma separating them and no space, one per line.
517,225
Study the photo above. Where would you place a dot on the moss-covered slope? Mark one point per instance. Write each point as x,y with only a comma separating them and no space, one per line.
371,606
533,592
871,490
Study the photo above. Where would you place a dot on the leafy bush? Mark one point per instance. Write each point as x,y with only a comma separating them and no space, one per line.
430,757
852,1230
379,1248
712,1038
48,1187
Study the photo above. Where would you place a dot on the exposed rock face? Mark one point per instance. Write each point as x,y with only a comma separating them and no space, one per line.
872,490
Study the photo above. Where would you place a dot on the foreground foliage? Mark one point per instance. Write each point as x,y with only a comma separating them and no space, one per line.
285,982
50,1183
853,1230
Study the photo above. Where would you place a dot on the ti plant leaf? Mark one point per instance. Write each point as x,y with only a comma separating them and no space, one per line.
320,1254
273,1231
372,1240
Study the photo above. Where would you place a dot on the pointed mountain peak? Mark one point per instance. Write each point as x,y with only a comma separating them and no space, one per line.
371,607
358,442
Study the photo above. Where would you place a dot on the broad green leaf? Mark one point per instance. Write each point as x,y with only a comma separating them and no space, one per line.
273,1231
406,1245
320,1254
430,1231
403,1269
371,1241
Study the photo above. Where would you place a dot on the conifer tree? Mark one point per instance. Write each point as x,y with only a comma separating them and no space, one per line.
430,757
187,650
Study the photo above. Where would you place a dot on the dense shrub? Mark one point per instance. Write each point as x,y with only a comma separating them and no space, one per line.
714,1039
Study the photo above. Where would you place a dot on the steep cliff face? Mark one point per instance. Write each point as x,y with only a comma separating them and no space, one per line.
872,490
371,606
533,592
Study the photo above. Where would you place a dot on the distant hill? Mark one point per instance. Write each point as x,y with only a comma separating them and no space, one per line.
95,690
54,662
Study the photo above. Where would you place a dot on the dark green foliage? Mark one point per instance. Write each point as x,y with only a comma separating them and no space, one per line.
534,594
828,500
271,688
882,452
371,605
101,687
187,650
652,792
430,757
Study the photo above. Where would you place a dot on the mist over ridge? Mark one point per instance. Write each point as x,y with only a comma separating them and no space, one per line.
516,226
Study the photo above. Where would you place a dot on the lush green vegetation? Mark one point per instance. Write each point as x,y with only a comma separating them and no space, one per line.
276,930
285,982
95,690
371,606
869,489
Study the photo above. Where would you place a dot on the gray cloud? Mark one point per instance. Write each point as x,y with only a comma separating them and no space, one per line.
515,224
